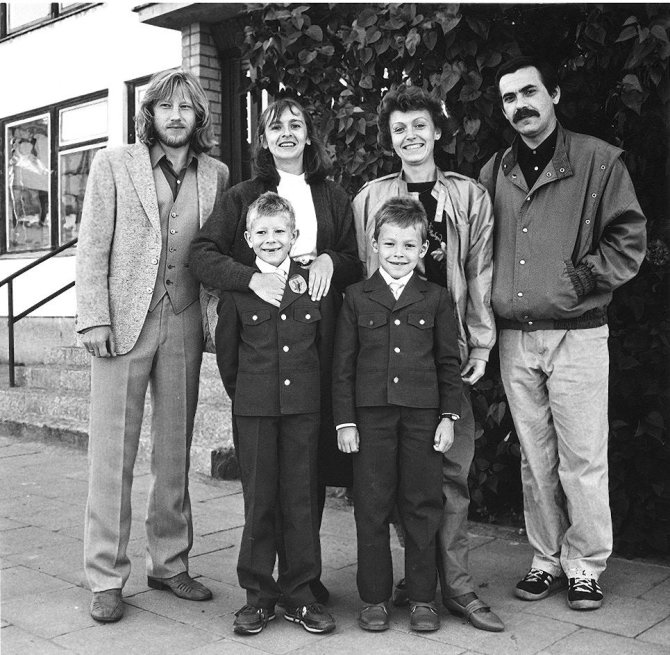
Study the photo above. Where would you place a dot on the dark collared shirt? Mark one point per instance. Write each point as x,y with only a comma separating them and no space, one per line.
533,161
174,179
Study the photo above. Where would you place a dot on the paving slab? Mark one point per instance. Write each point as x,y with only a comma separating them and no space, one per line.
660,593
217,611
19,581
140,632
63,561
620,615
16,541
16,641
50,614
658,634
594,642
631,578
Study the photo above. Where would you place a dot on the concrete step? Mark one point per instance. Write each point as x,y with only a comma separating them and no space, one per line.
52,403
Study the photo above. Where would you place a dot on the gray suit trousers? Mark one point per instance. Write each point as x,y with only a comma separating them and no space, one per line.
167,356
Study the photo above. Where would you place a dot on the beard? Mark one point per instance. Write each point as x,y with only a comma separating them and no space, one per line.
174,140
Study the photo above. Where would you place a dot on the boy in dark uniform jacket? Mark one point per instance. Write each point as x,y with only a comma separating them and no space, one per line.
270,360
396,394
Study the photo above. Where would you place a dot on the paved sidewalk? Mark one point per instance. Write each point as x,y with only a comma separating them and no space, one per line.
44,606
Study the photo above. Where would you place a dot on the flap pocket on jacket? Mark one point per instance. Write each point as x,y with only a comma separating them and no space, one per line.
422,321
306,314
372,320
255,318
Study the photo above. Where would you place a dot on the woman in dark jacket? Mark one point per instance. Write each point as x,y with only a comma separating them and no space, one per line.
292,161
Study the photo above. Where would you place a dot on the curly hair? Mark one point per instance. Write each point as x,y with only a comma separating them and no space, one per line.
409,98
316,161
162,87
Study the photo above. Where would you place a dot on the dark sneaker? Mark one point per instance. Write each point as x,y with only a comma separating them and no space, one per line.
400,596
374,618
584,594
251,620
423,617
312,617
538,584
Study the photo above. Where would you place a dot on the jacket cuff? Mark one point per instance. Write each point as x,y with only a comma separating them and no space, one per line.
583,280
479,353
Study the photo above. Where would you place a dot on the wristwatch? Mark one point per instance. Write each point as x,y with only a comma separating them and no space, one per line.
453,417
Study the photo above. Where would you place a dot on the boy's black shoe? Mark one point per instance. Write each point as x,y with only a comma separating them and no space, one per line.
538,584
312,617
584,594
374,618
250,620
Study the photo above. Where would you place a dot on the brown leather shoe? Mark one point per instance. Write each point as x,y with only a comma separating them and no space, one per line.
374,618
107,606
181,585
423,617
478,613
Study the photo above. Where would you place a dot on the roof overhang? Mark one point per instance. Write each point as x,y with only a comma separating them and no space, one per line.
175,15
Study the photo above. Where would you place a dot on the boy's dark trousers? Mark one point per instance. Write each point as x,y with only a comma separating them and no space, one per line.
396,463
278,466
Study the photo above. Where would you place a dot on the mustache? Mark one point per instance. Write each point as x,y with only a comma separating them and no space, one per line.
522,113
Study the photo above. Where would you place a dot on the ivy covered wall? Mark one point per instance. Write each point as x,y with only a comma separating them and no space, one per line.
614,75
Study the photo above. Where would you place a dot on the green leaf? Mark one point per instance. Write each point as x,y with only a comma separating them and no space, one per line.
366,18
430,39
412,40
659,33
314,32
632,82
627,33
306,56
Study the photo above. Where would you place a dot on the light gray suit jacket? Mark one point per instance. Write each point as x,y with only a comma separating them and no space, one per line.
120,237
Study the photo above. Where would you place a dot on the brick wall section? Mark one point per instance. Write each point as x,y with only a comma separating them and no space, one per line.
200,56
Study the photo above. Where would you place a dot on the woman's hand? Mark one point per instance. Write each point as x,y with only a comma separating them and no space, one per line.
320,274
268,287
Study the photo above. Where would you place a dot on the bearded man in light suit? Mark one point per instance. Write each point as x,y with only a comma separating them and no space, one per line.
139,315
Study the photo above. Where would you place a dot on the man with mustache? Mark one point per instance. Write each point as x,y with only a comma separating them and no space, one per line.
139,317
568,231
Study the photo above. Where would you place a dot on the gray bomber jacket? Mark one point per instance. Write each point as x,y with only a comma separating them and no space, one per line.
562,247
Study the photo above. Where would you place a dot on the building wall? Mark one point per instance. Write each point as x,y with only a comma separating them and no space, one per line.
97,49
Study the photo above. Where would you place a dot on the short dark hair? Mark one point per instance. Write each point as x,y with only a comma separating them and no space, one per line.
409,98
270,204
548,73
316,161
161,87
401,211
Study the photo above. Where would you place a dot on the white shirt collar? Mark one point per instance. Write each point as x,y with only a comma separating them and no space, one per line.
401,280
283,268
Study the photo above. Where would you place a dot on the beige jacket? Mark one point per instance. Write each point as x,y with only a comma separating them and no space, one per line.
120,239
466,207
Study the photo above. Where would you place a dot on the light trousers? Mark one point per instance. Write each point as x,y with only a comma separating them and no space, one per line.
167,356
556,385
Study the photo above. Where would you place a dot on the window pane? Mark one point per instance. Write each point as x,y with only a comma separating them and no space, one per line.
73,168
28,185
20,14
83,122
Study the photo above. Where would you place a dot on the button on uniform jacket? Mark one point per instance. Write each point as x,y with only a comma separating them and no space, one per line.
390,352
273,360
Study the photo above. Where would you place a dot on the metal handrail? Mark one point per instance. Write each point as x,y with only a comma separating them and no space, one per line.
11,319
